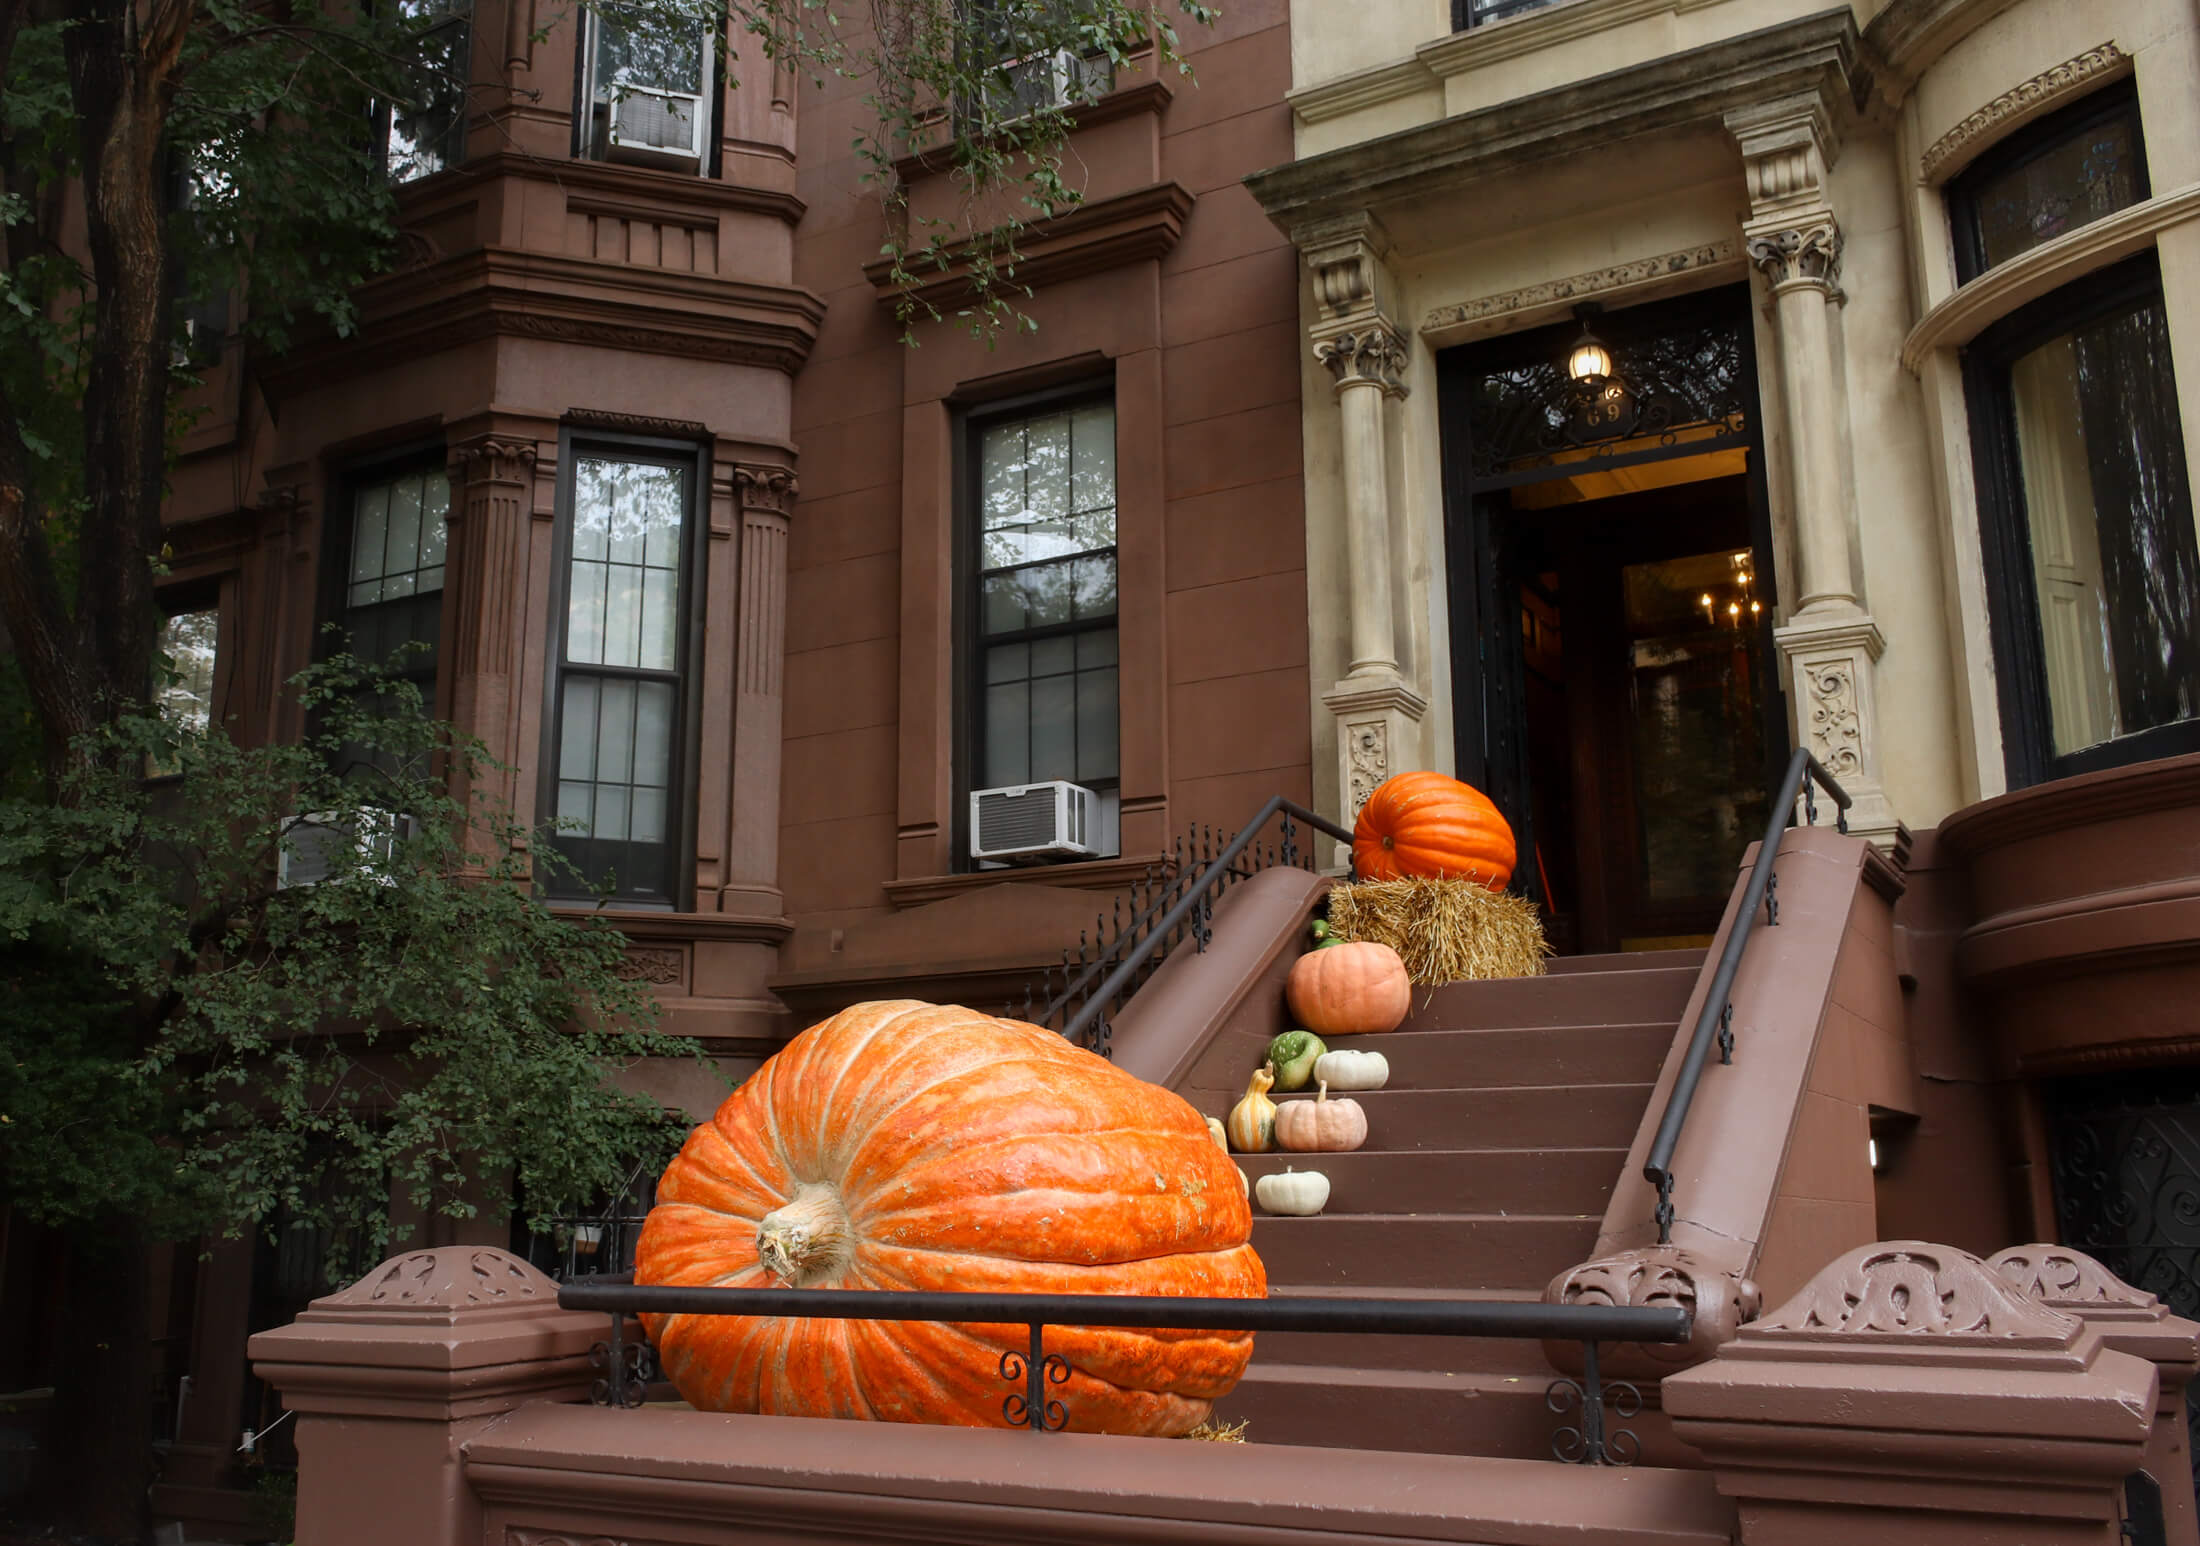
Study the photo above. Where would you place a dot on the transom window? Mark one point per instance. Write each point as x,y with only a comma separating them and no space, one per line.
620,691
1046,602
2066,171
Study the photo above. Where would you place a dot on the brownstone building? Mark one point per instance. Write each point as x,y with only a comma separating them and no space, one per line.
746,593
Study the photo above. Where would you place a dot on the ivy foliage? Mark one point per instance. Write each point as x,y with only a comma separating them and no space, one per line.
193,1043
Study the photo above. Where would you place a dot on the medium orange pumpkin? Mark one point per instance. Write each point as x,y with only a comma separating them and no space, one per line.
910,1146
1348,989
1424,824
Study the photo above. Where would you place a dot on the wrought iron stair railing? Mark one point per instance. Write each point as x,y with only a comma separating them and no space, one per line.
1715,1021
1169,908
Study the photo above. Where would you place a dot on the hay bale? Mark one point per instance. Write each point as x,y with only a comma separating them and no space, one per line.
1212,1432
1444,930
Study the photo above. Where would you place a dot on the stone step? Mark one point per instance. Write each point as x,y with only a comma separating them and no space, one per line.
1556,1116
1564,1181
1621,996
1466,1059
1377,1252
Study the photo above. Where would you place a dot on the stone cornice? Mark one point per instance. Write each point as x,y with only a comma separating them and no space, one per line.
2018,106
581,301
1106,233
1969,310
1819,54
613,186
1909,35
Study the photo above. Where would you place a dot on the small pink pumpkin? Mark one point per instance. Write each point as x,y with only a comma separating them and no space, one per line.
1320,1125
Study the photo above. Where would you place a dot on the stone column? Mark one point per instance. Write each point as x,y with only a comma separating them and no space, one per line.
1830,641
765,496
1378,712
1908,1394
485,598
391,1376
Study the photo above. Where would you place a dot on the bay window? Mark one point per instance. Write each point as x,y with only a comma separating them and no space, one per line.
618,737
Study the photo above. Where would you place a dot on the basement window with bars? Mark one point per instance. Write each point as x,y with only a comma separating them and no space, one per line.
1042,491
619,698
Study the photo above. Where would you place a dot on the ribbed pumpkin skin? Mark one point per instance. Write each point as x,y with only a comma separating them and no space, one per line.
1424,824
1348,990
968,1153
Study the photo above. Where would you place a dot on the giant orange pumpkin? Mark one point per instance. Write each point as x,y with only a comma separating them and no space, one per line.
1424,824
902,1145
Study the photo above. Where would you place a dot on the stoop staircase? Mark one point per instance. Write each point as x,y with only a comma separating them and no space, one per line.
1490,1158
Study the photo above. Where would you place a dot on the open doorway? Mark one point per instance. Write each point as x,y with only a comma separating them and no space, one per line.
1612,598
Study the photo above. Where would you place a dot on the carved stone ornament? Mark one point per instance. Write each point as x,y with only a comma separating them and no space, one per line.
1719,1299
2069,1280
1578,287
493,459
1367,761
1368,356
665,966
771,489
2019,104
1909,1290
1810,254
1836,722
636,423
442,1283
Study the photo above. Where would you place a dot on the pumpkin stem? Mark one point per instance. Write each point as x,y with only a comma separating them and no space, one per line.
807,1241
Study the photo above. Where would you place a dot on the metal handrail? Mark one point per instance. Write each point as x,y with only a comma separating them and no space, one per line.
1715,1022
1584,1440
1199,895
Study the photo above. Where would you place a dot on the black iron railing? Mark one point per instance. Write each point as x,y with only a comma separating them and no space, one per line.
1586,1440
1715,1022
1170,913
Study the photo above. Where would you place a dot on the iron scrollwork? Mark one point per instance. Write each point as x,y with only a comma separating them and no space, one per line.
627,1368
1690,384
1589,1439
1035,1370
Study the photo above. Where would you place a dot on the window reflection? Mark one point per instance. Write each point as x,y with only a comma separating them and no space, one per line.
183,675
2067,171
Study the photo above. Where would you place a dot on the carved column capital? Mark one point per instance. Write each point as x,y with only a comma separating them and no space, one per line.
1375,355
1802,254
768,489
1719,1299
493,459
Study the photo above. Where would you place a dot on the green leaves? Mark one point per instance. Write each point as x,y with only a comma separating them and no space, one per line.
195,1043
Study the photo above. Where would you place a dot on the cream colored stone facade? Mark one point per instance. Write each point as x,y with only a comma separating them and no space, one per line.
1452,186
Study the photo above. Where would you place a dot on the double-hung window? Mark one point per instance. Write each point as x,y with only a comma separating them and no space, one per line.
1043,488
2085,499
647,89
618,737
1028,62
425,131
391,603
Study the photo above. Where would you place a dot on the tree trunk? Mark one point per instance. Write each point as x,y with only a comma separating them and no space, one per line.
101,1435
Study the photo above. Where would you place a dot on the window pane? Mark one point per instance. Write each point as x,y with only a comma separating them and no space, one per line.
1052,657
1096,648
1008,662
584,615
1004,604
1046,467
1092,462
2093,173
577,731
628,519
659,650
1096,587
435,515
653,733
1097,719
666,58
647,816
611,807
403,552
185,694
1001,477
615,733
1007,734
1046,589
1054,727
576,804
369,532
2110,519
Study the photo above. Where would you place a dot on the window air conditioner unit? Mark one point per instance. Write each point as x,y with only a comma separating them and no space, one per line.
1062,78
656,128
1027,822
312,843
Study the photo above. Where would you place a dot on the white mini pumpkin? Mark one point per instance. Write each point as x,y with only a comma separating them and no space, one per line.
1297,1193
1349,1071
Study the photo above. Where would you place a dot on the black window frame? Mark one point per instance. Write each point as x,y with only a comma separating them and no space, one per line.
2013,615
970,639
2119,99
340,529
681,816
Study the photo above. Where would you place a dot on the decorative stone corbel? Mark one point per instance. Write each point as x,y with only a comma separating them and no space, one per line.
1720,1300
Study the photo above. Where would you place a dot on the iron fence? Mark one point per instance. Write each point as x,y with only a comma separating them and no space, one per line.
1585,1438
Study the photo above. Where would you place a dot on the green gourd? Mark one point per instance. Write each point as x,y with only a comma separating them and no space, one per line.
1293,1055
